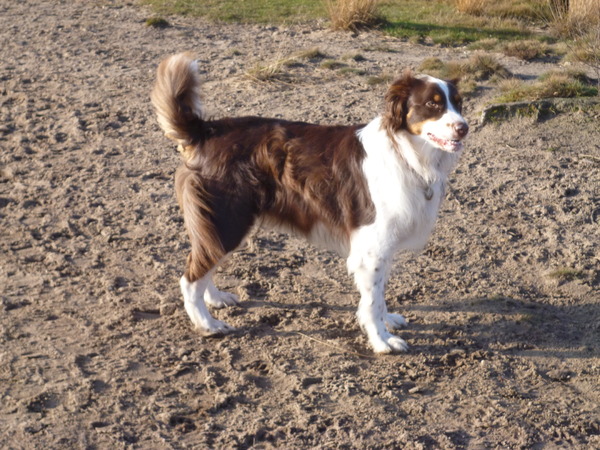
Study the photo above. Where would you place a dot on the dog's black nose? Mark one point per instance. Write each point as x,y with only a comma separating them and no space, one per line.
461,128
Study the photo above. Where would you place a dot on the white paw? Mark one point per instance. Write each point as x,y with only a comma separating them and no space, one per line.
219,299
215,328
389,344
395,321
204,322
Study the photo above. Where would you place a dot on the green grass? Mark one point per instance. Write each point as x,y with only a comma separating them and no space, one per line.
443,24
435,20
247,11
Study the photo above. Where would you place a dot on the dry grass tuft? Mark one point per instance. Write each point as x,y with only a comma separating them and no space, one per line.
310,54
527,49
352,15
157,22
479,67
485,67
579,22
275,71
474,7
270,72
573,18
567,274
553,84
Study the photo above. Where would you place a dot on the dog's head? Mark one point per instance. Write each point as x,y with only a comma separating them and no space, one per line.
426,107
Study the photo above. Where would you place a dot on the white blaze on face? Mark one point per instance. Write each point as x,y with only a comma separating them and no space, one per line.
448,131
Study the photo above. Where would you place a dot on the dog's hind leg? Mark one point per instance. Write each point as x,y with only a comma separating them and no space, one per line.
207,251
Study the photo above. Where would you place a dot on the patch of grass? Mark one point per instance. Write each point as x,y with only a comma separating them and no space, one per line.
573,18
484,67
332,64
355,57
438,21
249,11
567,274
442,23
352,71
157,22
379,79
474,7
353,15
270,71
554,84
479,67
520,9
275,70
527,49
380,48
310,54
485,44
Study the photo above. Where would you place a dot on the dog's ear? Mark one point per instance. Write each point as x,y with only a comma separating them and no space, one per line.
454,81
394,116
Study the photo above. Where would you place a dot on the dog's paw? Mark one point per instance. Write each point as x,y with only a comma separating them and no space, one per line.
395,321
389,344
220,299
215,328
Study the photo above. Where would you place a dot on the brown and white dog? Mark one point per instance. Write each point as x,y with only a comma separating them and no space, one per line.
366,191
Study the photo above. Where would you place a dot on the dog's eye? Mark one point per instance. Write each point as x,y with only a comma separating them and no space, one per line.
432,105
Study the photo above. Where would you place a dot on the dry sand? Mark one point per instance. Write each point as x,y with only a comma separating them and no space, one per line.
96,350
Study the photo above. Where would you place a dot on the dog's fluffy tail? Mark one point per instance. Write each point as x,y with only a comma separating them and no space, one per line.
176,98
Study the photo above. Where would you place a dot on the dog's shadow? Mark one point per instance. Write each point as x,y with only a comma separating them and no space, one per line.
497,324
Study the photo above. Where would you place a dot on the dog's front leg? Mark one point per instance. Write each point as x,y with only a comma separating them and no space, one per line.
193,300
370,275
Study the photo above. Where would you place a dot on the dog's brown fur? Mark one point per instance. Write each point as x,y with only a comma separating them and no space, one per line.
238,171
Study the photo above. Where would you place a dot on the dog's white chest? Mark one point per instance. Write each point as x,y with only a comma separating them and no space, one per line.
406,205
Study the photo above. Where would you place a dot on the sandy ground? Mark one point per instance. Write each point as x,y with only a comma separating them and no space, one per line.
96,350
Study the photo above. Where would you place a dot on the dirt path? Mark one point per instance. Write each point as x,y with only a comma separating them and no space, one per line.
96,350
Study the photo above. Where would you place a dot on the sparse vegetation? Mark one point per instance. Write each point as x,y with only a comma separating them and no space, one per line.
356,57
479,67
504,26
578,22
157,22
353,15
574,17
275,70
418,20
352,71
379,79
269,72
311,53
527,49
567,274
550,85
255,11
332,64
474,7
485,44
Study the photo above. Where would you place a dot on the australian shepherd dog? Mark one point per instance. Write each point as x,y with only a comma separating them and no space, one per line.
366,191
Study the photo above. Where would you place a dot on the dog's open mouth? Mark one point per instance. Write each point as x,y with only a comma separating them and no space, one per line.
449,145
